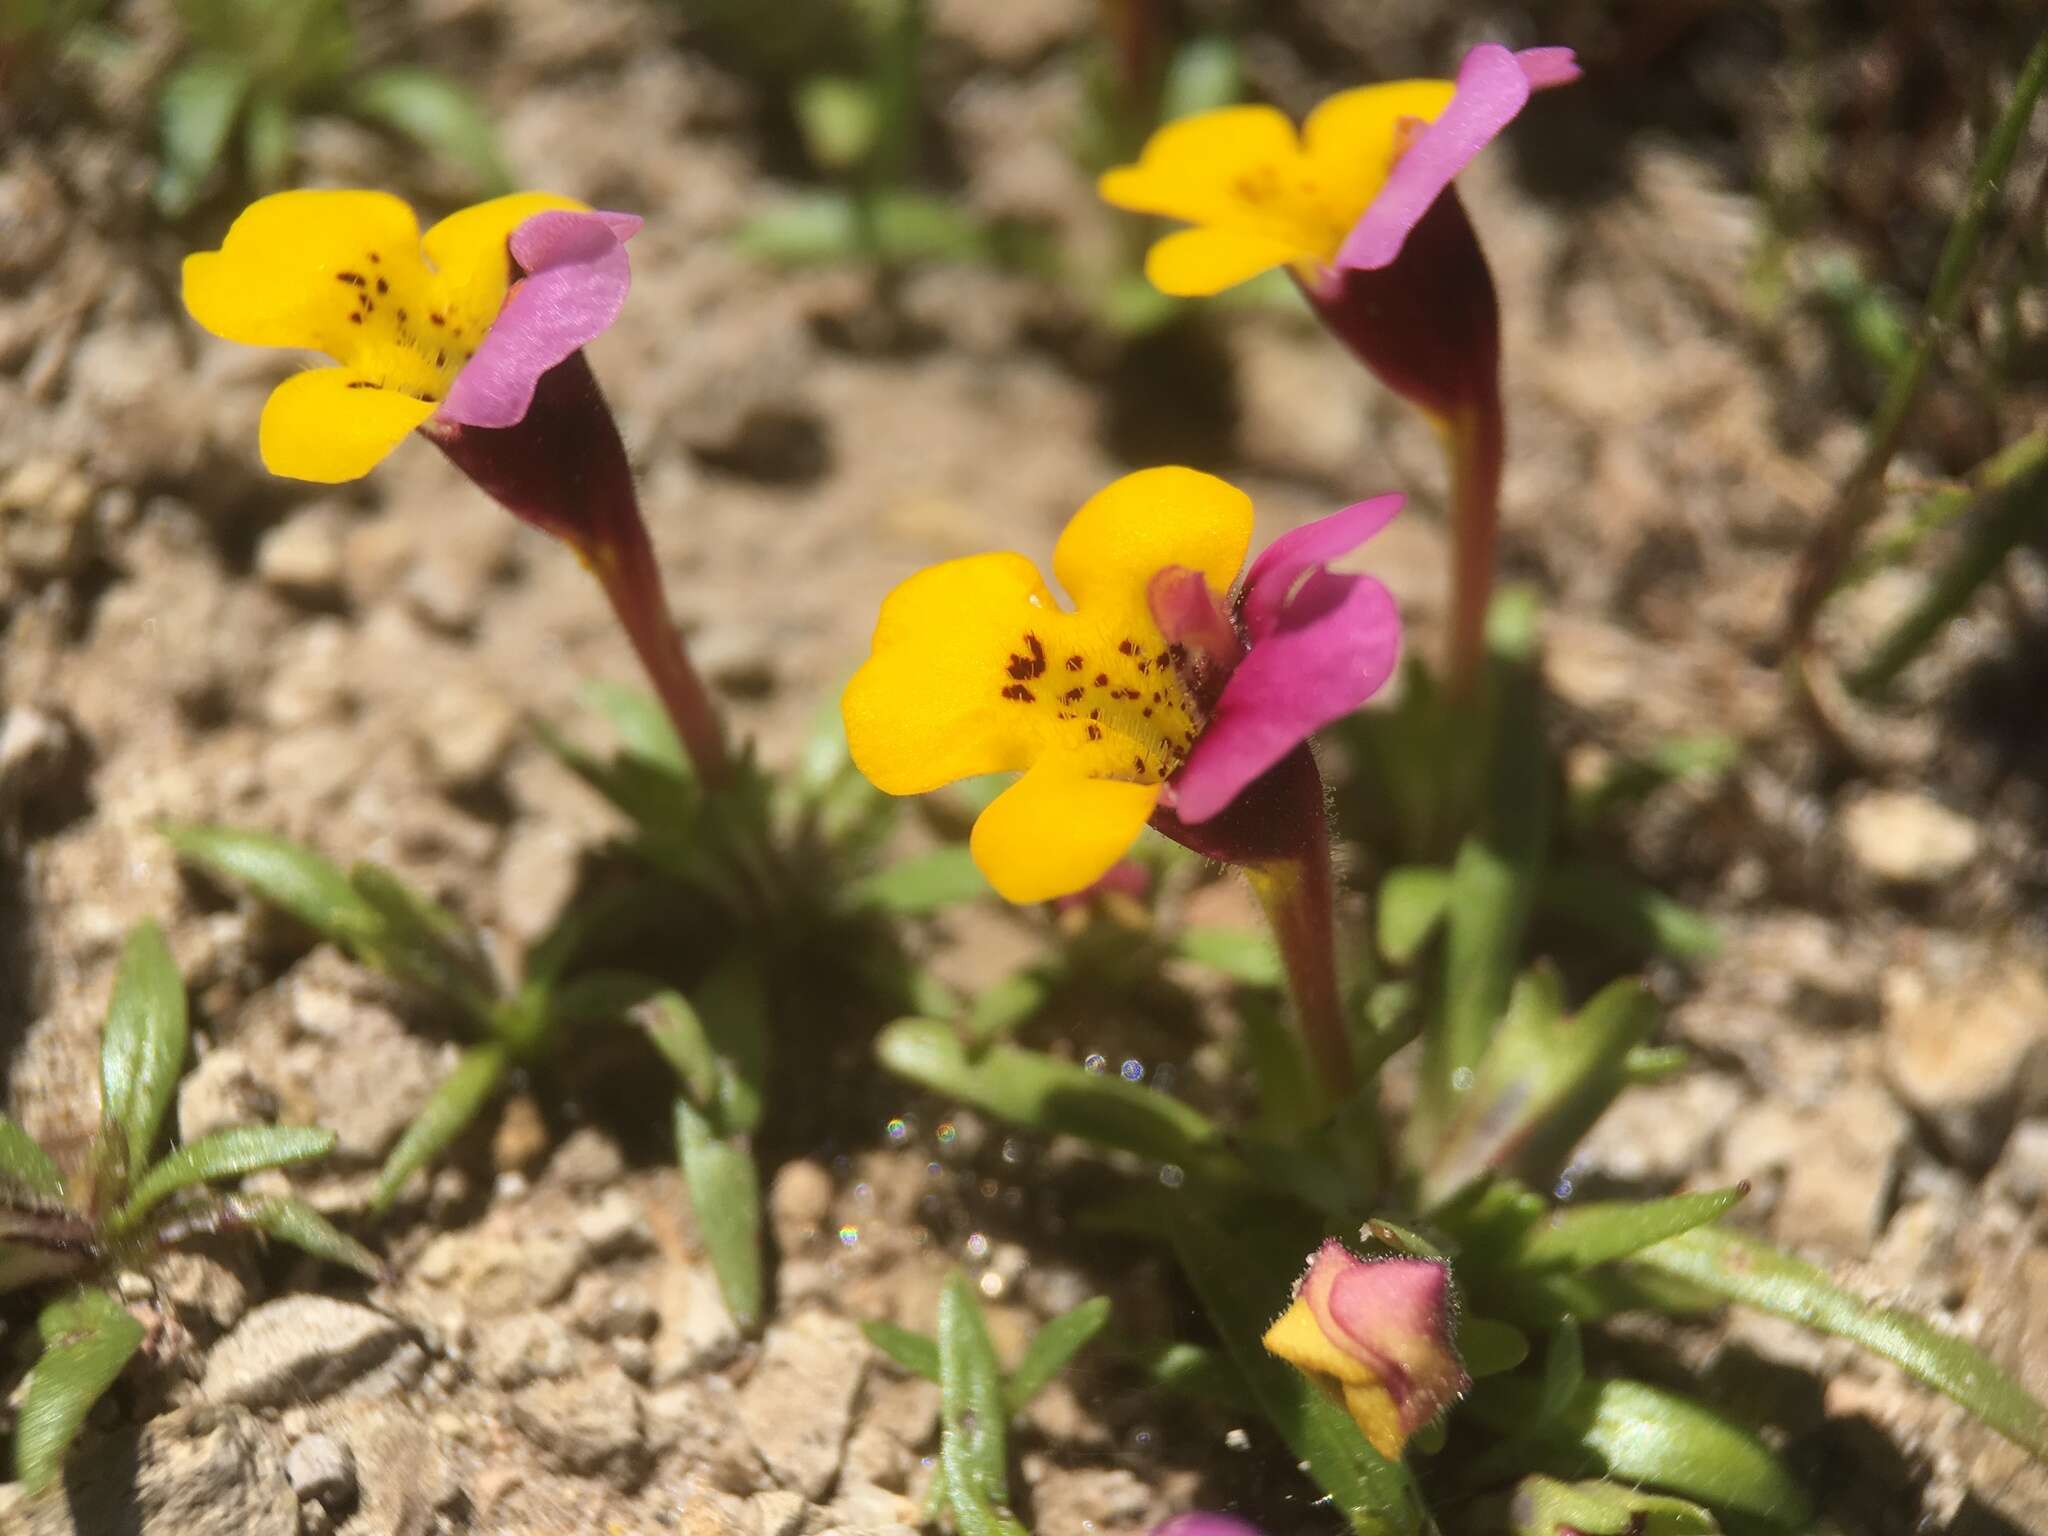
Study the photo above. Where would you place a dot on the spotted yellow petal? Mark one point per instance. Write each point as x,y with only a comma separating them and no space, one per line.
1137,526
276,280
330,425
927,707
1057,831
1194,263
1350,139
468,251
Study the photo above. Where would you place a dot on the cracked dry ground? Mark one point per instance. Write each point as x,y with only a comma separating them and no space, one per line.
185,638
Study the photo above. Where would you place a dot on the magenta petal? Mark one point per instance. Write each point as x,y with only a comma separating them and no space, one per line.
1331,648
1281,564
1548,67
577,273
1492,87
1202,1522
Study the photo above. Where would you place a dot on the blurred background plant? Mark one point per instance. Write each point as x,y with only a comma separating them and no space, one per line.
125,1207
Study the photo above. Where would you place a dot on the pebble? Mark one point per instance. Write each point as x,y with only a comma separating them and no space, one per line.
198,1471
41,754
207,1296
2022,1172
1838,1161
587,1161
1965,1053
612,1227
536,877
797,1407
298,1349
302,556
496,1277
1902,838
222,1091
529,1347
320,1468
466,731
588,1425
604,1308
697,1333
799,1201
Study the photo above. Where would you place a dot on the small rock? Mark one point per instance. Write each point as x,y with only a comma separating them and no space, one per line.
635,1357
799,1201
42,759
2022,1172
207,1296
536,877
589,1425
698,1420
466,732
222,1091
612,1309
521,1136
864,1507
298,1349
778,1511
529,1347
697,1333
1966,1053
1102,1499
302,556
1838,1162
587,1161
1908,839
201,1471
496,1277
446,590
320,1468
797,1407
614,1226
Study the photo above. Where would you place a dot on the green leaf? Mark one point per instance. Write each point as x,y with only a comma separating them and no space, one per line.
88,1337
1004,1007
438,115
25,1166
458,1100
1581,1236
1205,74
971,1406
1242,1264
912,1351
1564,1371
1412,903
1546,1507
924,884
1742,1269
733,1008
972,1509
195,113
840,120
297,1223
642,726
283,873
267,139
1032,1089
725,1194
831,227
421,941
1490,1346
1643,1435
223,1155
143,1046
1249,959
1052,1347
677,1032
1608,905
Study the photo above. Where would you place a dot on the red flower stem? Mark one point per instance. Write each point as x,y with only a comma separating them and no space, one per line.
1296,894
1475,444
625,567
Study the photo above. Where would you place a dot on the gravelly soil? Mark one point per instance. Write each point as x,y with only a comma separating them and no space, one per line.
187,638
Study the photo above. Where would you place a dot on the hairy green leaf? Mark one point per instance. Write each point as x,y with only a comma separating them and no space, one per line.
421,941
295,1222
25,1166
88,1337
1051,1349
143,1046
725,1193
1581,1236
1742,1269
283,873
1545,1507
733,1007
971,1405
913,1351
457,1101
223,1155
923,884
972,1509
1241,1263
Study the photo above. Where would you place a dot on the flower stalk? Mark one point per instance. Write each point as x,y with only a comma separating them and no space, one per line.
1296,896
1475,443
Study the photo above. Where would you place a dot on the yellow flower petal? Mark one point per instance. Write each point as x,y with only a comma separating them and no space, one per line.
1137,526
1187,168
273,282
1297,1339
1350,139
1194,263
927,707
467,249
331,424
1057,831
1372,1409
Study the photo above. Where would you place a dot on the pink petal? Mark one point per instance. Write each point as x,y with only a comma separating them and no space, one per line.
1330,649
1202,1522
1281,564
577,273
1493,86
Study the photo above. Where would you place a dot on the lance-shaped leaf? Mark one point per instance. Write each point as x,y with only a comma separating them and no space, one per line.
144,1044
88,1337
25,1168
438,115
1051,1349
725,1194
914,1352
1543,1081
1242,1263
1032,1089
223,1155
1545,1507
1249,959
923,884
458,1100
1742,1269
974,1512
1581,1236
1411,906
295,1222
1608,905
971,1407
283,873
420,941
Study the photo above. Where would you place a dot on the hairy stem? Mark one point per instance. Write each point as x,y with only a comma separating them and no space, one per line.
1296,894
1475,444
